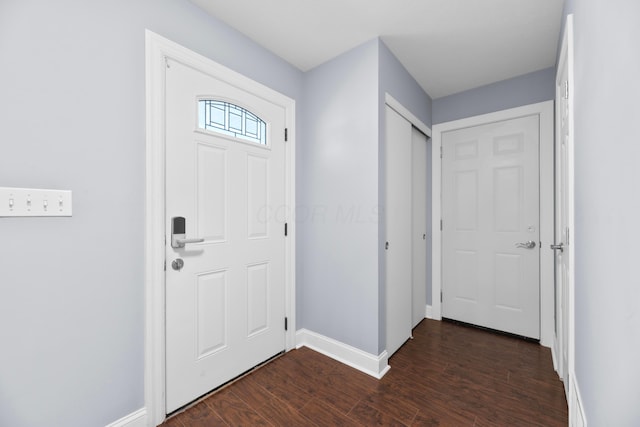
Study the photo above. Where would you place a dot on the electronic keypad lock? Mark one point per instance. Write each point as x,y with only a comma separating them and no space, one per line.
179,233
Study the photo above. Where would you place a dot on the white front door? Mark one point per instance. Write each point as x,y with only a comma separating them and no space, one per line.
490,213
225,175
398,229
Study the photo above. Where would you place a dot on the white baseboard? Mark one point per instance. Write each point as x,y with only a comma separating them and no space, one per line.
429,312
135,419
577,416
376,366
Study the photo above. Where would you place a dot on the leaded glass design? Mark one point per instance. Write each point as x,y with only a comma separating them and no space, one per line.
229,119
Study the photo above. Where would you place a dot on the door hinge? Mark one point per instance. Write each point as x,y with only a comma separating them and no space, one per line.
286,134
440,296
286,324
566,89
441,151
286,231
165,265
440,225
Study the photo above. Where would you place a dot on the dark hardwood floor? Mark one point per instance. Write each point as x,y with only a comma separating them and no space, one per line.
448,375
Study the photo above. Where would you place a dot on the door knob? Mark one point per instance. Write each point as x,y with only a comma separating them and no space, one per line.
526,245
177,264
559,247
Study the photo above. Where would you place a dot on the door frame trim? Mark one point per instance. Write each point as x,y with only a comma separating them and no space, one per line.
546,113
404,112
157,49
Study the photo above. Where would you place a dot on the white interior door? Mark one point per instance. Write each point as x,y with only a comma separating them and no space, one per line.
398,228
419,225
490,212
225,307
563,220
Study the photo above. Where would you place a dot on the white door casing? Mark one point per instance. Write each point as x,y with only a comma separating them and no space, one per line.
490,212
159,51
398,215
419,225
545,112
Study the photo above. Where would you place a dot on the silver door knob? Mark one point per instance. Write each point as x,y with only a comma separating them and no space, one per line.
526,245
177,264
559,247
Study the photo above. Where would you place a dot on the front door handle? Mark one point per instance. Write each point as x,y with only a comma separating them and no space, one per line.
178,233
526,245
558,247
181,242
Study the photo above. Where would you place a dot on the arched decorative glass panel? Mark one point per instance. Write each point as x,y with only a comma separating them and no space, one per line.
229,119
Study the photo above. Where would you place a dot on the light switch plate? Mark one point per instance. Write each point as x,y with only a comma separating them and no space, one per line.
34,202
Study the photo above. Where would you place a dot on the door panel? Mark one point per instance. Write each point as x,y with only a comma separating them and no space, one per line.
225,308
258,185
419,225
490,194
507,206
212,193
258,298
398,229
466,277
466,196
563,222
508,269
211,320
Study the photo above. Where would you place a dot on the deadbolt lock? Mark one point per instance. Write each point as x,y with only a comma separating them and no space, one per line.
177,264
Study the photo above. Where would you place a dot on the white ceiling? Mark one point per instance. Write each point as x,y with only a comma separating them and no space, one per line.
448,46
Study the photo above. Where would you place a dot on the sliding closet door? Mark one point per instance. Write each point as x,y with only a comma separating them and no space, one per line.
398,220
419,225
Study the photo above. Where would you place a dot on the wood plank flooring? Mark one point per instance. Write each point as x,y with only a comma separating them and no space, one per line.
448,375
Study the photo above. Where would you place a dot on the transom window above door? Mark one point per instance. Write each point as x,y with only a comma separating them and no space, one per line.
230,119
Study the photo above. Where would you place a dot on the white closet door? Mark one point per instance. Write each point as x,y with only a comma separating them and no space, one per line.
419,225
398,229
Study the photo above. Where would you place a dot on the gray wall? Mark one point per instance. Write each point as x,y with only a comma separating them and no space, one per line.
396,80
72,116
607,303
518,91
337,213
340,270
